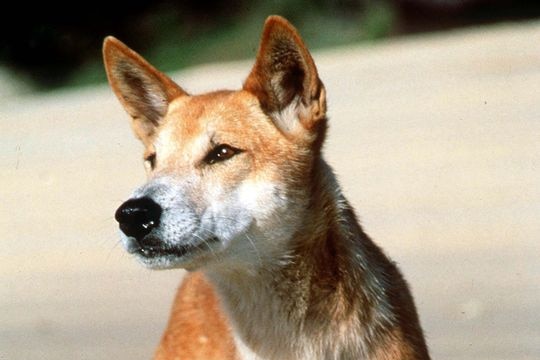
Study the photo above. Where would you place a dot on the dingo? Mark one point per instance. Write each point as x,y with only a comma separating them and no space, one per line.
240,196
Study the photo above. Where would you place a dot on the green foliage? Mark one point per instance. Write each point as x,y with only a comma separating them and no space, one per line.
177,40
58,43
378,20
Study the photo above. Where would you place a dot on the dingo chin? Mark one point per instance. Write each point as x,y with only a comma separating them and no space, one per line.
238,194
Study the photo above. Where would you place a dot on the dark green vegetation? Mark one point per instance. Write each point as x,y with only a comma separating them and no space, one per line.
59,44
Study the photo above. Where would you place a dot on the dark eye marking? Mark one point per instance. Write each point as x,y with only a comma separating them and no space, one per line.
150,159
221,153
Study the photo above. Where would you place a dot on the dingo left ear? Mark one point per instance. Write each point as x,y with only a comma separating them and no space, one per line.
285,80
144,91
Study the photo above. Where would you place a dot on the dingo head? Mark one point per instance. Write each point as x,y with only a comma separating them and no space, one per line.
228,171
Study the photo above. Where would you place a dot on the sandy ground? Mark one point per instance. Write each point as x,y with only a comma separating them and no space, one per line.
436,141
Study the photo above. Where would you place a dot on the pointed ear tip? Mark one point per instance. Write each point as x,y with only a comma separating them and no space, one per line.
109,41
112,45
276,20
276,24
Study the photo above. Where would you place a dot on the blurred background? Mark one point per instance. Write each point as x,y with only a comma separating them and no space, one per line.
55,44
434,133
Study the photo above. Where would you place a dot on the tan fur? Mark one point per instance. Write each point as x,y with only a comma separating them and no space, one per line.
197,329
292,275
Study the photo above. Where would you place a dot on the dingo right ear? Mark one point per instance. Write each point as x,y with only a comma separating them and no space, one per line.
285,79
144,91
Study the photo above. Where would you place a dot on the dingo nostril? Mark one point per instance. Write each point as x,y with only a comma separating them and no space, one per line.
137,217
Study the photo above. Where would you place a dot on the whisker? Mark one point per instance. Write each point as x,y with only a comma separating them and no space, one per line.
112,249
254,248
206,242
250,240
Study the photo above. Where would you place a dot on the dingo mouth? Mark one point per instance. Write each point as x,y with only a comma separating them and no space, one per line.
176,251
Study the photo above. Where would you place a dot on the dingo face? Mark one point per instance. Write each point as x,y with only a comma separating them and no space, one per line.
228,171
237,188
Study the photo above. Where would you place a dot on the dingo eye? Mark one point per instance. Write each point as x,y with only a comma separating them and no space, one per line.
220,153
150,161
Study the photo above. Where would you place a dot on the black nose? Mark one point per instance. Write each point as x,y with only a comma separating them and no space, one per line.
137,217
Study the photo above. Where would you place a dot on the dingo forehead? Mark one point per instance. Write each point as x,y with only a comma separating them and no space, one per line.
194,124
221,113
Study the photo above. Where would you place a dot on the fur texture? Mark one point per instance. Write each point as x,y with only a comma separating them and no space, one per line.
280,268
